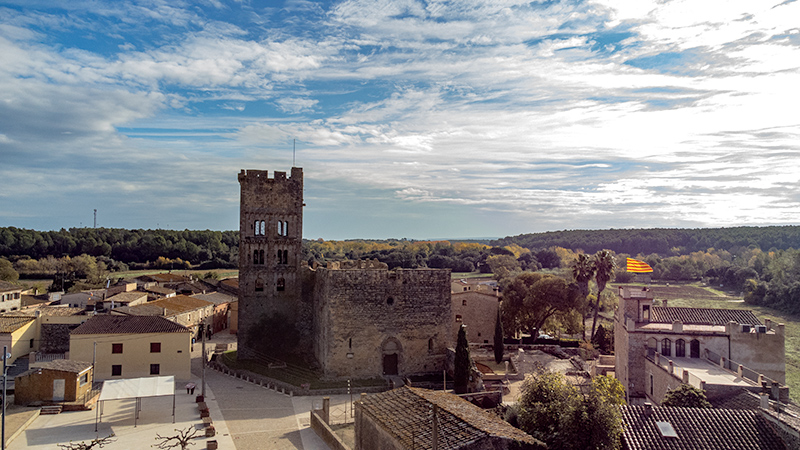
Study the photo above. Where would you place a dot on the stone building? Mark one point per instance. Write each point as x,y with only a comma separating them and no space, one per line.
403,418
659,347
357,318
61,380
478,311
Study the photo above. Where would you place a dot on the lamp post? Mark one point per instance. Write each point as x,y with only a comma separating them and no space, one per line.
5,356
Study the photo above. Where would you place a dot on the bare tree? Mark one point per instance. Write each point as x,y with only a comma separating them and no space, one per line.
94,443
179,440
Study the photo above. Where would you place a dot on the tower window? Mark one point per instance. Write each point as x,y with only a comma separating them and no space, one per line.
261,256
285,228
259,285
255,256
281,285
430,345
256,228
286,256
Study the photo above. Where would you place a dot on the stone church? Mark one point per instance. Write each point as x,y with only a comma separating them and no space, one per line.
358,318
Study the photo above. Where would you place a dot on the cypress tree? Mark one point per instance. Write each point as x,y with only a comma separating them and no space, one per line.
498,339
462,362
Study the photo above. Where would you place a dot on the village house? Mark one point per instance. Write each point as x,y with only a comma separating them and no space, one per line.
657,348
10,296
55,381
184,310
52,325
478,311
221,316
18,335
132,346
409,418
127,298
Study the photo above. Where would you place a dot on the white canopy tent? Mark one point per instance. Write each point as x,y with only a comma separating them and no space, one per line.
137,388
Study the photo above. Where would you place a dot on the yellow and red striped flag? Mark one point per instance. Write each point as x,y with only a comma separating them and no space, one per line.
636,266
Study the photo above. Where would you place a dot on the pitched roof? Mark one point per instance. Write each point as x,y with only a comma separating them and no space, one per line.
698,429
116,324
64,365
62,311
702,316
163,277
5,286
12,324
405,414
218,298
126,297
173,305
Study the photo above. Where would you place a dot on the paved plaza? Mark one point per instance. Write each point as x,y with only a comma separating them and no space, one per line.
246,417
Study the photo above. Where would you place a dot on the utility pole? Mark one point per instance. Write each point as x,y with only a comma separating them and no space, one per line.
203,359
6,355
95,218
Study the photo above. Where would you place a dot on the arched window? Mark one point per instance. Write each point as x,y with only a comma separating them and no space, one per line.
666,347
261,256
280,228
263,228
680,348
286,228
281,285
255,256
256,228
430,345
286,256
280,257
259,285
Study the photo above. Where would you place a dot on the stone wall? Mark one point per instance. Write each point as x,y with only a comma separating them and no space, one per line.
362,317
55,337
270,240
476,310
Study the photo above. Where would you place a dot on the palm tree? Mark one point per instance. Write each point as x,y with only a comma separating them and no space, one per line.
582,273
604,266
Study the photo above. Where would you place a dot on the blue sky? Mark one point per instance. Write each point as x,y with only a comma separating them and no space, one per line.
440,119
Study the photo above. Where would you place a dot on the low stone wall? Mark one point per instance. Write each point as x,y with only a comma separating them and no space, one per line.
326,433
288,388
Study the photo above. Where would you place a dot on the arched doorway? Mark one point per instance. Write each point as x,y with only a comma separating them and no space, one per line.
391,356
694,348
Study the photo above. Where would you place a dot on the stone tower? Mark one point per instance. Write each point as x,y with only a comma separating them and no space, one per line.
270,244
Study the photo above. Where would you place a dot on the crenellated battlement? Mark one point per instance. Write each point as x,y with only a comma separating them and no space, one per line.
262,176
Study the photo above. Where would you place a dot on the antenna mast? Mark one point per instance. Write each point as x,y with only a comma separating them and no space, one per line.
95,218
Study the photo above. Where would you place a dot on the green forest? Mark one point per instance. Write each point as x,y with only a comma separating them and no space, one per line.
760,263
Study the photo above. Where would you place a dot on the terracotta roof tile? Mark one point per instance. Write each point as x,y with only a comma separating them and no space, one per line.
405,413
64,365
62,311
116,324
698,429
174,306
11,324
5,286
702,316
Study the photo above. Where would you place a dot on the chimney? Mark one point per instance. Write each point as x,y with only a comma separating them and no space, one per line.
648,409
764,399
768,323
664,302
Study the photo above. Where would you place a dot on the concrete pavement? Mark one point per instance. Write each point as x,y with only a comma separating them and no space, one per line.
246,417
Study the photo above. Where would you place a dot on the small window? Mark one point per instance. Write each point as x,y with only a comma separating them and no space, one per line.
261,256
155,347
430,345
155,369
651,384
255,256
84,378
31,343
458,318
281,285
390,301
259,285
263,230
257,229
464,302
116,370
286,256
116,348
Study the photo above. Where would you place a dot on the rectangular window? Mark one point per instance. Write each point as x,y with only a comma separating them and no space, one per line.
84,378
116,370
31,343
155,347
116,348
155,369
463,303
458,318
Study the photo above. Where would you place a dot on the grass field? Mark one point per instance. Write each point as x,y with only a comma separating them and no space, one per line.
697,296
